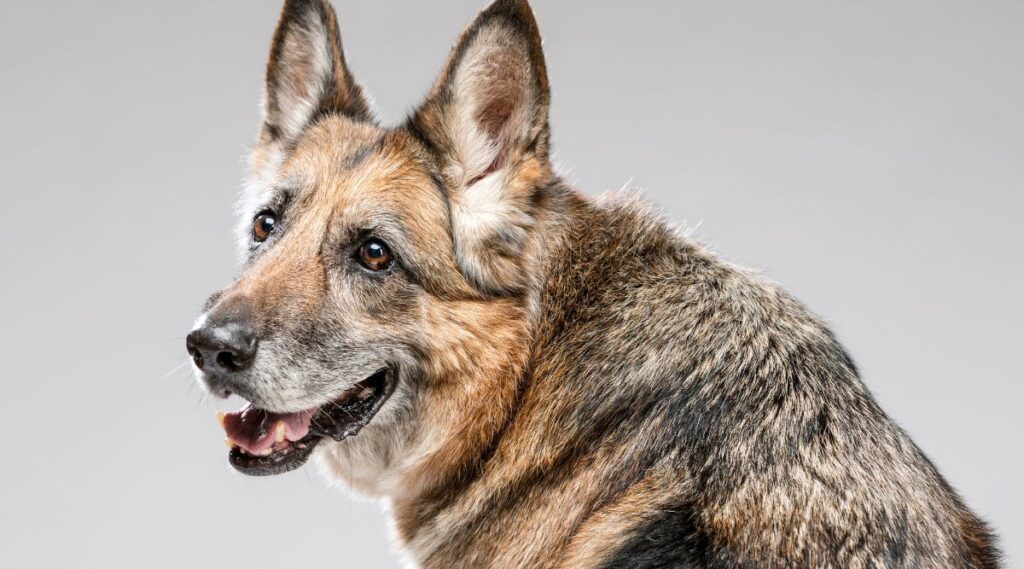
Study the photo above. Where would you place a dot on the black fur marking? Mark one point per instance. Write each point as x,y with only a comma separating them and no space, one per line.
669,541
360,155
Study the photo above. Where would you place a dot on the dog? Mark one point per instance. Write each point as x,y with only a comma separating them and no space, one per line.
530,377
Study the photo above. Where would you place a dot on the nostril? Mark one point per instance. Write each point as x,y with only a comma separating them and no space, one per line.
231,361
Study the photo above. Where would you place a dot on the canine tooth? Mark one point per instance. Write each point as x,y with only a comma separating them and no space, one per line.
265,452
229,444
221,417
279,432
366,392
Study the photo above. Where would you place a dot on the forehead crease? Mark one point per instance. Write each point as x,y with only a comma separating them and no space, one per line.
333,145
385,180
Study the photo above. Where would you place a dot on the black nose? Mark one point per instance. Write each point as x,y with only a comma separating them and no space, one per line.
222,348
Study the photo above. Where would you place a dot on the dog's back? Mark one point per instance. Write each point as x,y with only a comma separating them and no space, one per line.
681,411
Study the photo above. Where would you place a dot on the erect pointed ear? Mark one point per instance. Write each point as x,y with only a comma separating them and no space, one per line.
487,120
306,74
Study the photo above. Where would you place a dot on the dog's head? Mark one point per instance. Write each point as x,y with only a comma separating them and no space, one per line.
386,269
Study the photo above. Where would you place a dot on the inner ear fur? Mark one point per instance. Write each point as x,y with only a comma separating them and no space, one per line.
486,118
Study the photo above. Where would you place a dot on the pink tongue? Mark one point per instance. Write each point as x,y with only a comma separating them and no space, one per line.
255,430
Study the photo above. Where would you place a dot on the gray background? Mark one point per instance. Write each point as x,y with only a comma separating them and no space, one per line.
866,154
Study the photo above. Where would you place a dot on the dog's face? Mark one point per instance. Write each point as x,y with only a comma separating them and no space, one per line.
379,263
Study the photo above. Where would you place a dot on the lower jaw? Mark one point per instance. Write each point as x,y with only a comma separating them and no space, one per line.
293,457
333,421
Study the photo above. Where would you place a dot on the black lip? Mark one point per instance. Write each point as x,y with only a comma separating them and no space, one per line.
340,421
277,463
336,420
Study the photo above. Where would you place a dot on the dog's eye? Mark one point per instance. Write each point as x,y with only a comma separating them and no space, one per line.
262,226
375,255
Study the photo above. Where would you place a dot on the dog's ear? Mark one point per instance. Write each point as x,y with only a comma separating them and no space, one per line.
486,118
306,74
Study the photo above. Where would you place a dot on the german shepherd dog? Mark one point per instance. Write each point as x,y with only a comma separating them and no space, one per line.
536,378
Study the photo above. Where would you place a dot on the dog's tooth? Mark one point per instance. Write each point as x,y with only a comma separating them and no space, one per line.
221,416
229,444
265,452
279,432
365,393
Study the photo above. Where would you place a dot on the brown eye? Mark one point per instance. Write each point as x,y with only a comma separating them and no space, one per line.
375,255
262,226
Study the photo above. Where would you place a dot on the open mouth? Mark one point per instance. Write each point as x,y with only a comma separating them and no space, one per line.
264,443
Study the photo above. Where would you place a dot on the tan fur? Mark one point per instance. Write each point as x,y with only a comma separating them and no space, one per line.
606,530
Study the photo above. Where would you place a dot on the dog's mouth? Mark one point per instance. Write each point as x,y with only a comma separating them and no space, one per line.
264,443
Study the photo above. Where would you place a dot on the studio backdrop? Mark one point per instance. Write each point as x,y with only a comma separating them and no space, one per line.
867,155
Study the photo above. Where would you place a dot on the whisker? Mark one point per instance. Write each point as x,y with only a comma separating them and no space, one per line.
176,368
